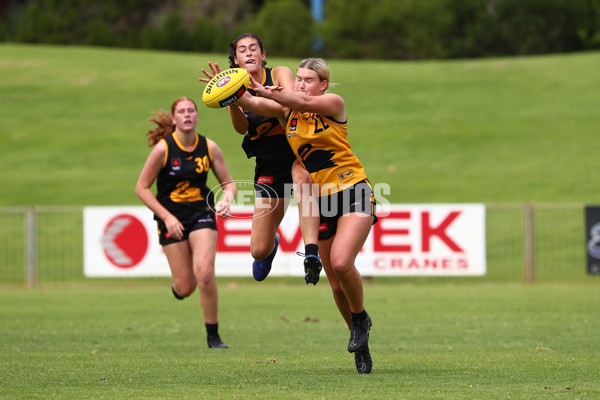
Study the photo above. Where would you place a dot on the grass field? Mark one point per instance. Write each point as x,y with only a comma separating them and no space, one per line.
437,341
493,131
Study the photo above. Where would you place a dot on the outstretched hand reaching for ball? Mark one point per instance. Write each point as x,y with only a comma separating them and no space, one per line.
215,69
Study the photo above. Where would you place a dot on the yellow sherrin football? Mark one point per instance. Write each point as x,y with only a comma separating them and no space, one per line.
226,87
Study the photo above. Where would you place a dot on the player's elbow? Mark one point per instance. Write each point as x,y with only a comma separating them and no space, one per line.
303,105
139,190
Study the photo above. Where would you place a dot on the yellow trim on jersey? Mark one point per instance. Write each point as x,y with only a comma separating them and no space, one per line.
166,153
264,79
208,149
182,147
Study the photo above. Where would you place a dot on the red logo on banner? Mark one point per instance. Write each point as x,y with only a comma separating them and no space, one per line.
125,241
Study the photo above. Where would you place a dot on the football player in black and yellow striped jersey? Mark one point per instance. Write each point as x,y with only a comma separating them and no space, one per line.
264,139
184,206
317,130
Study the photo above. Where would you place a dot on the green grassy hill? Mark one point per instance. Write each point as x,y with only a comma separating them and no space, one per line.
500,130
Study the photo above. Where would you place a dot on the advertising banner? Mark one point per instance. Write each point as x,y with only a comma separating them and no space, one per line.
121,242
407,240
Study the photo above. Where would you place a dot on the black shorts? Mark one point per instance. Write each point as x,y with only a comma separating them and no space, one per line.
203,219
273,177
358,198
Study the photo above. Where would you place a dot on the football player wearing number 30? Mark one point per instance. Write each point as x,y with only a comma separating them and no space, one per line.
184,206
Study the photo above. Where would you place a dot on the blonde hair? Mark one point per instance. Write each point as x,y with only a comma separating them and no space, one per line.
319,66
164,123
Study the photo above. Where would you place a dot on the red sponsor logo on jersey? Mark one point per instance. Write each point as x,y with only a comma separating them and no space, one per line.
265,179
293,124
323,227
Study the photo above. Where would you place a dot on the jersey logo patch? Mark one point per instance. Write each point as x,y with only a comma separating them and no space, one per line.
346,174
323,227
176,164
264,179
293,124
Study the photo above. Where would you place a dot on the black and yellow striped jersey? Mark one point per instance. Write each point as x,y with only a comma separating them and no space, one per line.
265,137
321,144
181,183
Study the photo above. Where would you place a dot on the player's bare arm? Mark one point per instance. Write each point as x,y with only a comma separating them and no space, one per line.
325,104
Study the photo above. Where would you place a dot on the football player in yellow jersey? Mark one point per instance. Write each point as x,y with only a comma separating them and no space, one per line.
264,139
316,128
184,206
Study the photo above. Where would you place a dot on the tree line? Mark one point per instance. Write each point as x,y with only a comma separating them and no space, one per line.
357,29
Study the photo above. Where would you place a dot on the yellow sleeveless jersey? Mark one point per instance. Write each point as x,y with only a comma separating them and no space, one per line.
321,144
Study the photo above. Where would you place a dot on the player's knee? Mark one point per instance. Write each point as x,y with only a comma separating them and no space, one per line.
340,266
205,275
206,281
260,251
184,289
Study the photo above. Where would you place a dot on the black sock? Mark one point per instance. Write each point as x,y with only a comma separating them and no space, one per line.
356,318
212,329
178,297
311,249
